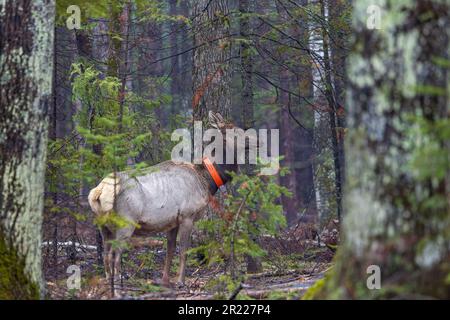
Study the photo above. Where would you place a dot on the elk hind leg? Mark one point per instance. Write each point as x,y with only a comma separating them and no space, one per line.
107,237
171,246
122,237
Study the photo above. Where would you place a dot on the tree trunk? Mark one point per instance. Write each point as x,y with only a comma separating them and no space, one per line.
330,96
397,206
253,264
246,66
339,12
175,61
185,62
211,70
157,71
124,68
26,87
290,205
53,132
100,43
304,151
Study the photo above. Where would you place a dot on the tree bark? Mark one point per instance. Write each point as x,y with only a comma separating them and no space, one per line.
211,72
290,205
339,12
26,88
175,61
54,135
100,43
185,62
304,151
253,264
330,95
246,66
397,212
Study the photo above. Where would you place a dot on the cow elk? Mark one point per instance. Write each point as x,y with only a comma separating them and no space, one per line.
168,197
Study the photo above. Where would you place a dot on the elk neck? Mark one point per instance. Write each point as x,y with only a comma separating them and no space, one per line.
223,171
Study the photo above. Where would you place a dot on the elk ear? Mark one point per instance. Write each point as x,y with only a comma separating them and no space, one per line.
216,120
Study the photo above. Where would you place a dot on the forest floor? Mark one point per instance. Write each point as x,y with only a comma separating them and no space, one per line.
289,269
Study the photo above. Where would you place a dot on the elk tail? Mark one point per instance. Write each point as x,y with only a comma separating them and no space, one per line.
102,197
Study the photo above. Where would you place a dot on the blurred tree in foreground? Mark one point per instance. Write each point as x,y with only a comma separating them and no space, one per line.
26,80
396,203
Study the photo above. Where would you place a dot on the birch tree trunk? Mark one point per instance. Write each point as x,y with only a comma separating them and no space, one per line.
26,47
396,200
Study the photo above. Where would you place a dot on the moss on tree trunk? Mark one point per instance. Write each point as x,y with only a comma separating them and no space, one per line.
14,282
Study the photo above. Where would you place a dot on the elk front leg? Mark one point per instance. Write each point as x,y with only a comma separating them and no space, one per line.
185,242
171,246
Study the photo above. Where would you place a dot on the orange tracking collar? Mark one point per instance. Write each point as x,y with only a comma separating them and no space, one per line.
213,172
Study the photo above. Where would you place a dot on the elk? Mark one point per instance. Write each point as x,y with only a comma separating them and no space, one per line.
168,197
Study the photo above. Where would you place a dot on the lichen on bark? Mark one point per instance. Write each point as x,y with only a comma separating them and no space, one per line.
26,48
388,218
